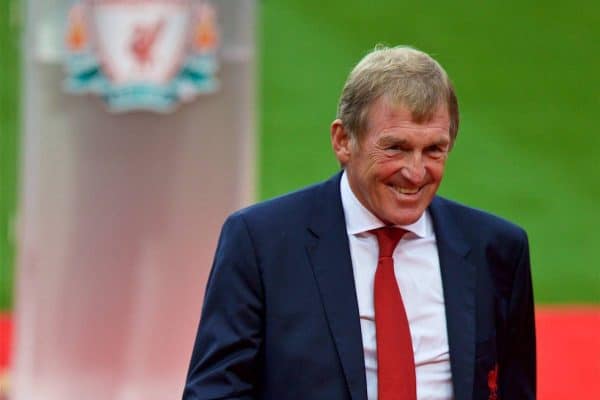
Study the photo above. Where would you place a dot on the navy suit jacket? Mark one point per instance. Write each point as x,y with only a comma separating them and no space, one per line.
280,317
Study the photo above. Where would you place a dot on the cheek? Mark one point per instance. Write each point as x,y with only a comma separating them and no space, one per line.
386,168
436,169
376,171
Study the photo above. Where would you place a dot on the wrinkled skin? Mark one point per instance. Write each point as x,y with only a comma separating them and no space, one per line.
396,166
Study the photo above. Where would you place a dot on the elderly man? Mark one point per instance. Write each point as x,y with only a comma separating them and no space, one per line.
368,285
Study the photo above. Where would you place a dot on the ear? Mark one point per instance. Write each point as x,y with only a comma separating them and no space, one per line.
340,142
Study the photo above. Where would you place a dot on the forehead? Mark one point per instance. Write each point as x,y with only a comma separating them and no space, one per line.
386,117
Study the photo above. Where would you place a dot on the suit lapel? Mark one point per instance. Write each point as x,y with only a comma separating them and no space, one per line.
329,253
458,279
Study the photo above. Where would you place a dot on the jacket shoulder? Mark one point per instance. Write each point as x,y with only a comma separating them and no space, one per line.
478,222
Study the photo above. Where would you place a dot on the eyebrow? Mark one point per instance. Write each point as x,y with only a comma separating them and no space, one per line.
390,140
441,142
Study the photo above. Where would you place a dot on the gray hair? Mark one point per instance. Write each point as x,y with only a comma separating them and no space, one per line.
405,76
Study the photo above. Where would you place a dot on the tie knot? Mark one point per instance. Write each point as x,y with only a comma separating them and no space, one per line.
387,238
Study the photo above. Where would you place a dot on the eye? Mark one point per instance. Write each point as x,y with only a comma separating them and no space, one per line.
436,151
396,147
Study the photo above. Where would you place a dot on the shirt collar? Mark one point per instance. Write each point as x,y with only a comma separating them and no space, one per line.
360,220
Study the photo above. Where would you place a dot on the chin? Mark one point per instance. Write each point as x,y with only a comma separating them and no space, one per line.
406,218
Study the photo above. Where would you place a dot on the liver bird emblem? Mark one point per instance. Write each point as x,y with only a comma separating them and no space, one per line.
143,39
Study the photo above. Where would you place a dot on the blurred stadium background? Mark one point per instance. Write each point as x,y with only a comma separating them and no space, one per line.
527,79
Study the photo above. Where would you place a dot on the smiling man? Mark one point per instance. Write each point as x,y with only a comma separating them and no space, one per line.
368,285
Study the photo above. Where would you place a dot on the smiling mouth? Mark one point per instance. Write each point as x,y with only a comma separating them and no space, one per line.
405,191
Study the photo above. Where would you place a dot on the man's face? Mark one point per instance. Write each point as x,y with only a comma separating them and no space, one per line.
397,165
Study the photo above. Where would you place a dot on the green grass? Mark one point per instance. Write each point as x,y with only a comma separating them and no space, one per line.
527,79
9,105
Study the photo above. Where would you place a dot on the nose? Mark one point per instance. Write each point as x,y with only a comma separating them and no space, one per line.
414,170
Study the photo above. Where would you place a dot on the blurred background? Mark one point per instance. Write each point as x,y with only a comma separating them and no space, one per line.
528,149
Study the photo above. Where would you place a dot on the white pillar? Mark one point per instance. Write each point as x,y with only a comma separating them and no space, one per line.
118,220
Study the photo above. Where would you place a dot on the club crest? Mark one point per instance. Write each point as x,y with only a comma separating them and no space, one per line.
141,54
493,383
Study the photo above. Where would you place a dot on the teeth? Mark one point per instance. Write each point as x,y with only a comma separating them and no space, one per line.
406,191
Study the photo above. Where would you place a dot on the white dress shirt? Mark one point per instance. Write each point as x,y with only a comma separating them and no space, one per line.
417,270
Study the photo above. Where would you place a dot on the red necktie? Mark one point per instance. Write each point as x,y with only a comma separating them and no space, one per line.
395,359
